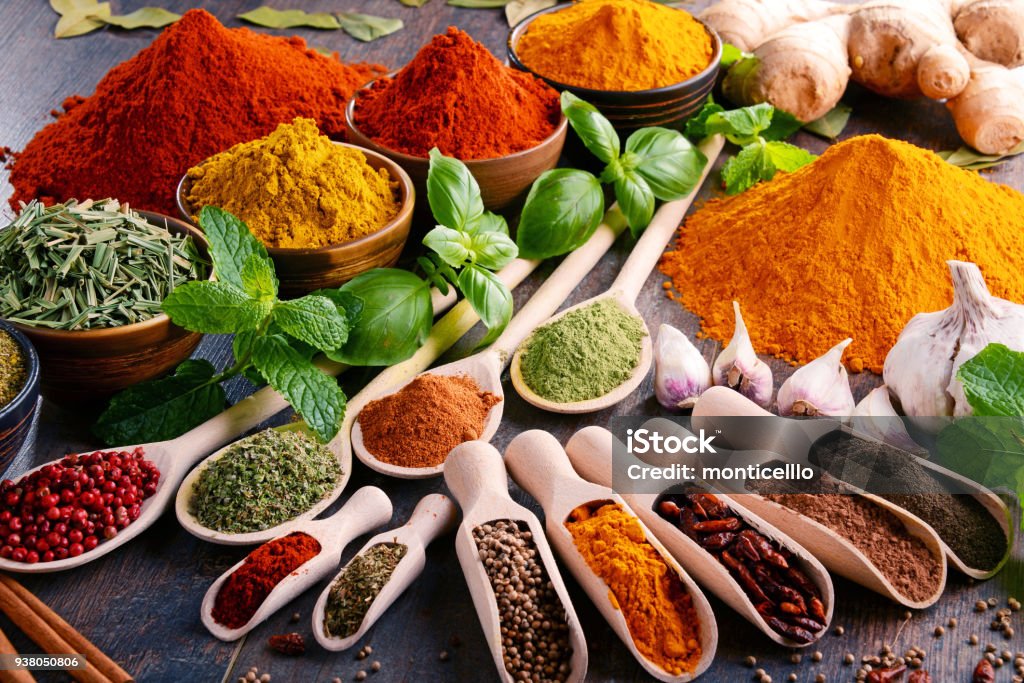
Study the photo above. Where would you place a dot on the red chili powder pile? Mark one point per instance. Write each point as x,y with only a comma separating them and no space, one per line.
456,96
197,90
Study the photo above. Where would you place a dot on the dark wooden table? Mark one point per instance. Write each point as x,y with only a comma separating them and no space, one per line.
141,604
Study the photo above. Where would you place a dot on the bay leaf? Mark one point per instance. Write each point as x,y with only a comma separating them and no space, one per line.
517,10
326,52
147,17
478,4
972,160
831,124
414,3
366,27
290,18
63,7
84,18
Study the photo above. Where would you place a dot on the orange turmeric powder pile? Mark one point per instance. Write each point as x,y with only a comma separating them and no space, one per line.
658,610
852,245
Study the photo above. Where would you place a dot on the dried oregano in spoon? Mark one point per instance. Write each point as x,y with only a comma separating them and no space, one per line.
90,265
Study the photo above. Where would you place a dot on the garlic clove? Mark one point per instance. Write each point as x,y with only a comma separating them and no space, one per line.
739,368
681,374
875,417
821,387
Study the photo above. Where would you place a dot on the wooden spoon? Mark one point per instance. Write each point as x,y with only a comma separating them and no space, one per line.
485,367
368,507
591,452
434,515
539,465
799,434
623,292
476,477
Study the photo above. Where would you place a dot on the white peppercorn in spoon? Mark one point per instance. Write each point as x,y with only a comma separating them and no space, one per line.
434,515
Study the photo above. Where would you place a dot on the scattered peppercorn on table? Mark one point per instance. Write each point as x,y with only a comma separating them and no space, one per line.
141,604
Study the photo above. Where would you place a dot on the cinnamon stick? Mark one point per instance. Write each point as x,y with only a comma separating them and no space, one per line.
42,634
12,675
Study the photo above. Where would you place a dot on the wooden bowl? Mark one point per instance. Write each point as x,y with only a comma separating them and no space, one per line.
301,271
627,111
87,366
16,417
502,180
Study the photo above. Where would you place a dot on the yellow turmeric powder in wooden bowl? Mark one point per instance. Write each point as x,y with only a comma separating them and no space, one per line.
327,211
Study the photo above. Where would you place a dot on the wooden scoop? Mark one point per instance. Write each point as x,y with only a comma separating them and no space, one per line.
434,515
591,452
368,507
485,367
476,477
795,436
539,465
624,292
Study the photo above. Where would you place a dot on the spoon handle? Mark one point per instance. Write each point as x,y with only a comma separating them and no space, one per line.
666,219
538,463
434,515
368,508
474,471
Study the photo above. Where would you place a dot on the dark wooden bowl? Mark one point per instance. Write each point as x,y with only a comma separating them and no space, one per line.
502,180
627,111
16,417
84,367
301,271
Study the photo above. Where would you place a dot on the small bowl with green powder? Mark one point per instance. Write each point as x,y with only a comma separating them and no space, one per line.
19,391
246,491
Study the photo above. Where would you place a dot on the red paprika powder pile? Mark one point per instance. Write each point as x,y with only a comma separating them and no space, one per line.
456,96
248,586
197,90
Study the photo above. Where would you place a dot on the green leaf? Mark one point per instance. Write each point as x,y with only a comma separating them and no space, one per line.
395,321
241,345
969,159
314,395
493,250
594,129
787,157
478,4
414,3
63,7
215,308
346,303
741,126
231,244
696,127
452,192
258,278
162,409
147,17
451,245
784,125
994,381
747,168
314,320
487,222
730,55
489,297
366,27
831,124
562,210
667,161
290,18
517,10
636,201
84,17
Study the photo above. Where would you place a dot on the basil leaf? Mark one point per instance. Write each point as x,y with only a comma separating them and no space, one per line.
313,395
161,409
231,244
741,126
451,245
636,201
787,157
452,192
489,297
147,17
366,27
290,18
667,161
214,308
258,278
831,124
696,128
83,18
784,125
487,222
517,10
314,320
395,321
562,210
994,381
493,250
594,130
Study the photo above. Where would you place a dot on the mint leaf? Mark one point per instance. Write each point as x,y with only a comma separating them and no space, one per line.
451,245
347,304
787,157
784,125
489,297
258,278
452,192
730,55
994,381
214,308
696,128
747,168
591,126
741,126
395,321
636,201
493,250
314,320
162,409
313,395
231,244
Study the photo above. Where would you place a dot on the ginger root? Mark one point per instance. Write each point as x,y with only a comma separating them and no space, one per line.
747,23
989,113
992,30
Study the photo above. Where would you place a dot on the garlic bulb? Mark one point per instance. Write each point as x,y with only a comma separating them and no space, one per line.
819,388
681,374
739,368
874,416
920,370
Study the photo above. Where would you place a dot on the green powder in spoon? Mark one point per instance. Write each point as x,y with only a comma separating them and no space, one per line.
584,354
